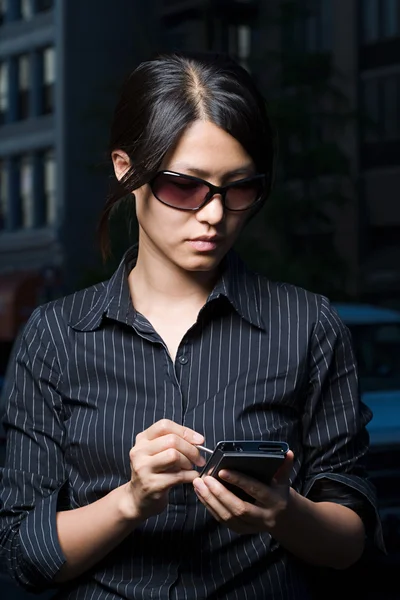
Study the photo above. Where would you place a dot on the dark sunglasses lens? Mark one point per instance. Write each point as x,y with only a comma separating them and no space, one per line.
179,191
243,195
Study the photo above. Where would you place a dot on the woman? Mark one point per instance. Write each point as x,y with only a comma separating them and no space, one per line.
115,386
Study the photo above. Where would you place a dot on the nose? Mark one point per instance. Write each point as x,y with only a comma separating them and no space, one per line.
212,212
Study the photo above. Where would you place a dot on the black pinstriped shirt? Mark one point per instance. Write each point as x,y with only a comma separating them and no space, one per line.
263,361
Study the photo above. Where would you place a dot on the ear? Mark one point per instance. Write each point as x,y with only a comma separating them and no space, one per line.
121,162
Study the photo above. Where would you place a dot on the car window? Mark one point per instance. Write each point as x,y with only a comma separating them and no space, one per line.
377,349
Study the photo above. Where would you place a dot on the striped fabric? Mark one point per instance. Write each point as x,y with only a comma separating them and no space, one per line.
264,361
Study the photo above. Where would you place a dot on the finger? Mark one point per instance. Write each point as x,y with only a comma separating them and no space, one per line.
209,508
172,441
207,498
155,483
170,460
241,526
219,500
165,426
282,476
256,489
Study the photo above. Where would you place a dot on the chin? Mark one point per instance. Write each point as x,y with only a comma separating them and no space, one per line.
202,263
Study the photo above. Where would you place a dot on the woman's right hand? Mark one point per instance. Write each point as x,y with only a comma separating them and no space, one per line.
162,457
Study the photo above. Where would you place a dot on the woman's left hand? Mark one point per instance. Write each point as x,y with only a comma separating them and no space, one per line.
271,501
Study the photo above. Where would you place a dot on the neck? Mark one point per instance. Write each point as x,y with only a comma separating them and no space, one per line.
156,282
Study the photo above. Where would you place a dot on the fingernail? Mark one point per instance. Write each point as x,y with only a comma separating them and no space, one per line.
198,485
197,438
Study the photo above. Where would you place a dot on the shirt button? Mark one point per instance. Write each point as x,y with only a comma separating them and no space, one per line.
183,359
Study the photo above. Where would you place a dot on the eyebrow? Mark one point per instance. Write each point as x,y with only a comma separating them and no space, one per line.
189,169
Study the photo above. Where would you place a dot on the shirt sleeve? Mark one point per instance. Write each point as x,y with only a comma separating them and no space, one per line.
335,438
32,480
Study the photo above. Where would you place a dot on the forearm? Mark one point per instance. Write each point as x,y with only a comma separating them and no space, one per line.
89,533
321,533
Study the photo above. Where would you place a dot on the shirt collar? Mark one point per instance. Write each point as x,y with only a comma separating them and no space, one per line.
237,284
112,300
241,287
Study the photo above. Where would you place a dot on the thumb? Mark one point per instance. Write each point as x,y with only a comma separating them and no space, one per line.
282,476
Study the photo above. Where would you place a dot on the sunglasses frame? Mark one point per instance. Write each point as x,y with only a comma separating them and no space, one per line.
213,190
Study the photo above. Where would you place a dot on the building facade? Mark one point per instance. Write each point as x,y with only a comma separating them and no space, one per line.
363,39
61,64
379,146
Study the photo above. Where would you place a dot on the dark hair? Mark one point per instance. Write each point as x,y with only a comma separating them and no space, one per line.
161,97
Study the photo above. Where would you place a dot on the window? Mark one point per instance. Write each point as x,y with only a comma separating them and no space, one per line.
49,187
26,192
371,110
43,5
390,18
175,38
3,194
380,20
236,41
381,108
318,27
3,92
49,75
391,107
243,44
308,27
325,22
3,11
370,20
377,347
311,33
26,9
23,86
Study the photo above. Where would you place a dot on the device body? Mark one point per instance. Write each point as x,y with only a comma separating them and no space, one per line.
258,459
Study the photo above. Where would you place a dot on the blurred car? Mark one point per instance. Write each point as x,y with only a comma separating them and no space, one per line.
376,340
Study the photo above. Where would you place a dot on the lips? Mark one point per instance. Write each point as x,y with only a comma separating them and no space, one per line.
204,243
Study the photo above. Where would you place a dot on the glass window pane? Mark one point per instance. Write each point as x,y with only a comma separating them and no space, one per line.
49,67
42,5
311,34
23,72
326,25
370,20
26,9
23,86
299,34
390,107
50,187
244,44
49,74
3,194
3,91
371,109
390,18
3,9
26,191
175,38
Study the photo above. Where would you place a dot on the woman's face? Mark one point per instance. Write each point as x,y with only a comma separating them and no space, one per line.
204,150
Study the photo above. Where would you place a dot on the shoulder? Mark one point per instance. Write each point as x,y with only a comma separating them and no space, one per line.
59,315
286,303
290,299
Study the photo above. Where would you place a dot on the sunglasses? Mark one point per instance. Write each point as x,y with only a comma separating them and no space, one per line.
192,193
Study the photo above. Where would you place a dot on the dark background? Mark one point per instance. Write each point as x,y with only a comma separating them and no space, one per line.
330,73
